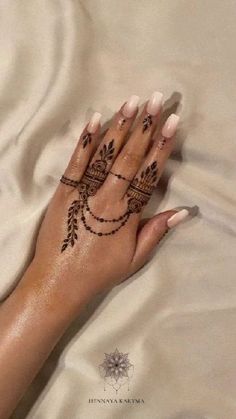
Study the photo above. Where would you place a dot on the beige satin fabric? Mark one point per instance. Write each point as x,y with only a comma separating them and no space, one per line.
60,61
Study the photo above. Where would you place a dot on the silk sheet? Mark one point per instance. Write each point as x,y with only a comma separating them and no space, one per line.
60,61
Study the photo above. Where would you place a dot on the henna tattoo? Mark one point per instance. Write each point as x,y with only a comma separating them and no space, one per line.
69,182
103,220
161,143
71,225
120,176
147,122
121,123
86,139
139,193
100,233
96,172
140,189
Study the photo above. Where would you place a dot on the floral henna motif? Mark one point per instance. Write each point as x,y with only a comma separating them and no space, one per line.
71,225
147,122
96,172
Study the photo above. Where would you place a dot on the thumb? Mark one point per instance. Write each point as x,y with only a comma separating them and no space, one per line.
151,232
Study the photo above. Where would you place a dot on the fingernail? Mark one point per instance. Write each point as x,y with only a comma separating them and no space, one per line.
154,103
94,122
177,218
131,106
170,126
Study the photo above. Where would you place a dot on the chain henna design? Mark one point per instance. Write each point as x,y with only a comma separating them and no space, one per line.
139,193
100,219
71,225
100,233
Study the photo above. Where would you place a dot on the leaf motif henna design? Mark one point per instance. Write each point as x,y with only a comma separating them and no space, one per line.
149,175
96,172
140,189
106,153
86,139
147,122
71,225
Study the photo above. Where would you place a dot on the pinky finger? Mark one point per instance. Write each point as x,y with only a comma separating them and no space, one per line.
84,149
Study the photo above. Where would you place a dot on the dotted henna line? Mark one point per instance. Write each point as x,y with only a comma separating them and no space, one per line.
120,176
104,220
99,233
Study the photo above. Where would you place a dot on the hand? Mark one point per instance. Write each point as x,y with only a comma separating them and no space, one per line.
80,251
90,240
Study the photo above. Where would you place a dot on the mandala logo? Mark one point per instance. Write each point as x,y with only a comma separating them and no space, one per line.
116,370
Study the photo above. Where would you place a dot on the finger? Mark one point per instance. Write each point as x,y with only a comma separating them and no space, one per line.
128,161
151,234
83,150
110,145
140,190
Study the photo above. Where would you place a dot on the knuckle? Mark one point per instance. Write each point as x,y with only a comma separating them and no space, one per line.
131,158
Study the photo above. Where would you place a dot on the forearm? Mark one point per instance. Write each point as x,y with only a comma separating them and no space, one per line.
32,320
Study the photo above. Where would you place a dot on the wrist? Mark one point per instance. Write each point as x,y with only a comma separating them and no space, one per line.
49,294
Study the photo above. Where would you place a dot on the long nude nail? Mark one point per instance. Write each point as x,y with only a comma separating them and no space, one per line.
179,216
154,103
170,126
131,106
94,122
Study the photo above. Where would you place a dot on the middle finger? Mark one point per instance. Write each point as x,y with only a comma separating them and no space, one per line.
131,156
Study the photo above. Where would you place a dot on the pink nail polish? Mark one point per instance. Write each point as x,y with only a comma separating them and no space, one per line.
154,103
94,122
131,106
170,126
179,216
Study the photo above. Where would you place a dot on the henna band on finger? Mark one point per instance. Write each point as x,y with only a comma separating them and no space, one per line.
119,176
141,188
69,182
